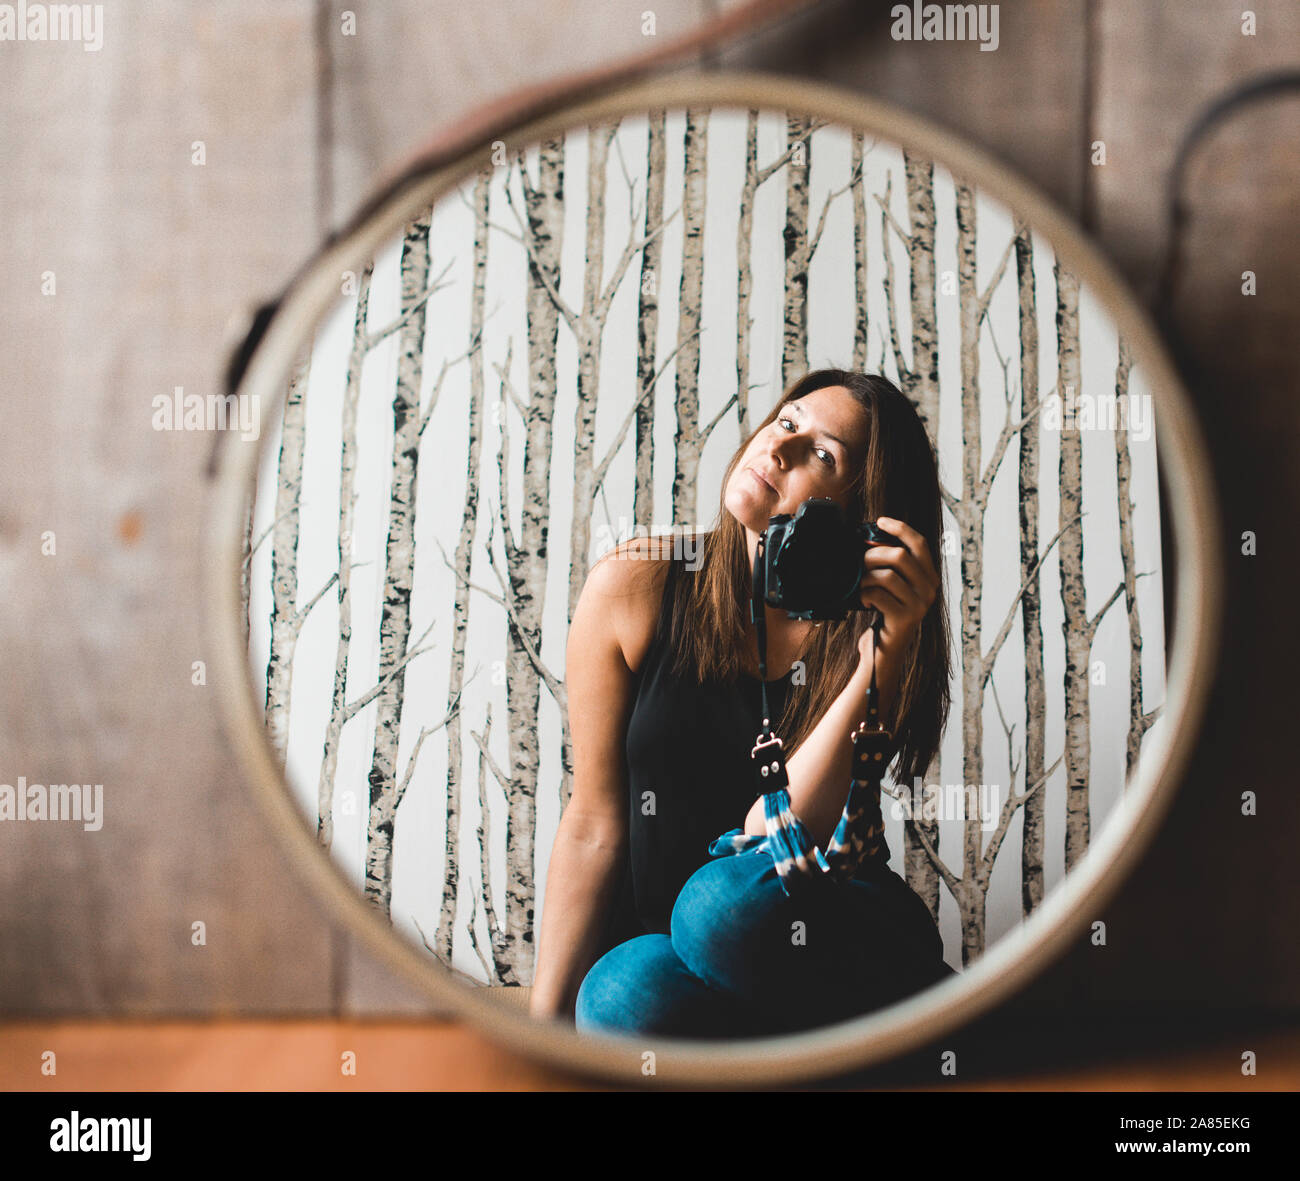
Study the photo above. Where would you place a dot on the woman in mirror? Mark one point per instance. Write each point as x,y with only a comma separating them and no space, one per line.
643,931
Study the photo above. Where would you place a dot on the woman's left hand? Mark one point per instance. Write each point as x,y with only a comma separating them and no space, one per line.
901,581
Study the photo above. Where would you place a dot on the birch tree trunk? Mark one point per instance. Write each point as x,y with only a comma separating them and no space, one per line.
444,936
246,567
589,329
526,560
399,570
754,179
919,870
971,890
688,443
859,252
969,511
1073,594
794,350
339,714
648,318
1138,722
588,326
919,378
1031,848
919,381
970,522
1079,630
923,376
745,270
285,623
500,970
342,711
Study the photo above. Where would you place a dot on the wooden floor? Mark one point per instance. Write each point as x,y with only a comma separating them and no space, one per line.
304,1055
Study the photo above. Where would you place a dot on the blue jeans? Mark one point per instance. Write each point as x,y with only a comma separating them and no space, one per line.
744,960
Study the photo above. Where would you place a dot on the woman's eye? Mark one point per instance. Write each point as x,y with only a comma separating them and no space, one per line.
825,456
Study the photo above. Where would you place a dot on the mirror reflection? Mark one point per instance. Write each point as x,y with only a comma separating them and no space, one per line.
501,565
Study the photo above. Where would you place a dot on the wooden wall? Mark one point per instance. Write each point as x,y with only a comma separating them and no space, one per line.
151,254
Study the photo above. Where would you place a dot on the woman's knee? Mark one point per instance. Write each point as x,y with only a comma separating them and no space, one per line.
641,986
606,997
730,919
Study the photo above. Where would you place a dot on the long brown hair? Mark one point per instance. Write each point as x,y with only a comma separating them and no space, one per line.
899,478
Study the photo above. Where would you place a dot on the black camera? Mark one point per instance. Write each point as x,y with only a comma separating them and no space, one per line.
811,562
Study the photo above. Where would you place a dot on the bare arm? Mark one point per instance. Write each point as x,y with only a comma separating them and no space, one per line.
592,835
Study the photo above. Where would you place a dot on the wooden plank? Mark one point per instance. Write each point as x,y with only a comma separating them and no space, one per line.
450,57
438,1056
290,1055
1023,103
149,253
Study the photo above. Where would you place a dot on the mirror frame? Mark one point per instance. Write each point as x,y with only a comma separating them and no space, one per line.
261,366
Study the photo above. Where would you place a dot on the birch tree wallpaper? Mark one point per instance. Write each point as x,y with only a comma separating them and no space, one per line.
566,352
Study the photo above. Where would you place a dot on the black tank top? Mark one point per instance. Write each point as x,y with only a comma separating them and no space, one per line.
690,776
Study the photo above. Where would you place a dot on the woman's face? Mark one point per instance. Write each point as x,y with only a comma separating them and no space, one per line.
813,447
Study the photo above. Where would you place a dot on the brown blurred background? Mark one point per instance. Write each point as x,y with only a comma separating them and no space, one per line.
152,254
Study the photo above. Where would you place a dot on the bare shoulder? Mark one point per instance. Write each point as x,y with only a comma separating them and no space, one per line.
626,585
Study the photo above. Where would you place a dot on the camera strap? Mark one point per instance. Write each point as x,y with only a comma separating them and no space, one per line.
860,832
758,613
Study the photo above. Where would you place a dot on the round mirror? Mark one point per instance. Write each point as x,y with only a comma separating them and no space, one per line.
482,580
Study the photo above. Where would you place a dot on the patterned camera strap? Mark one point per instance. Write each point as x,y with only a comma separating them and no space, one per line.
859,836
